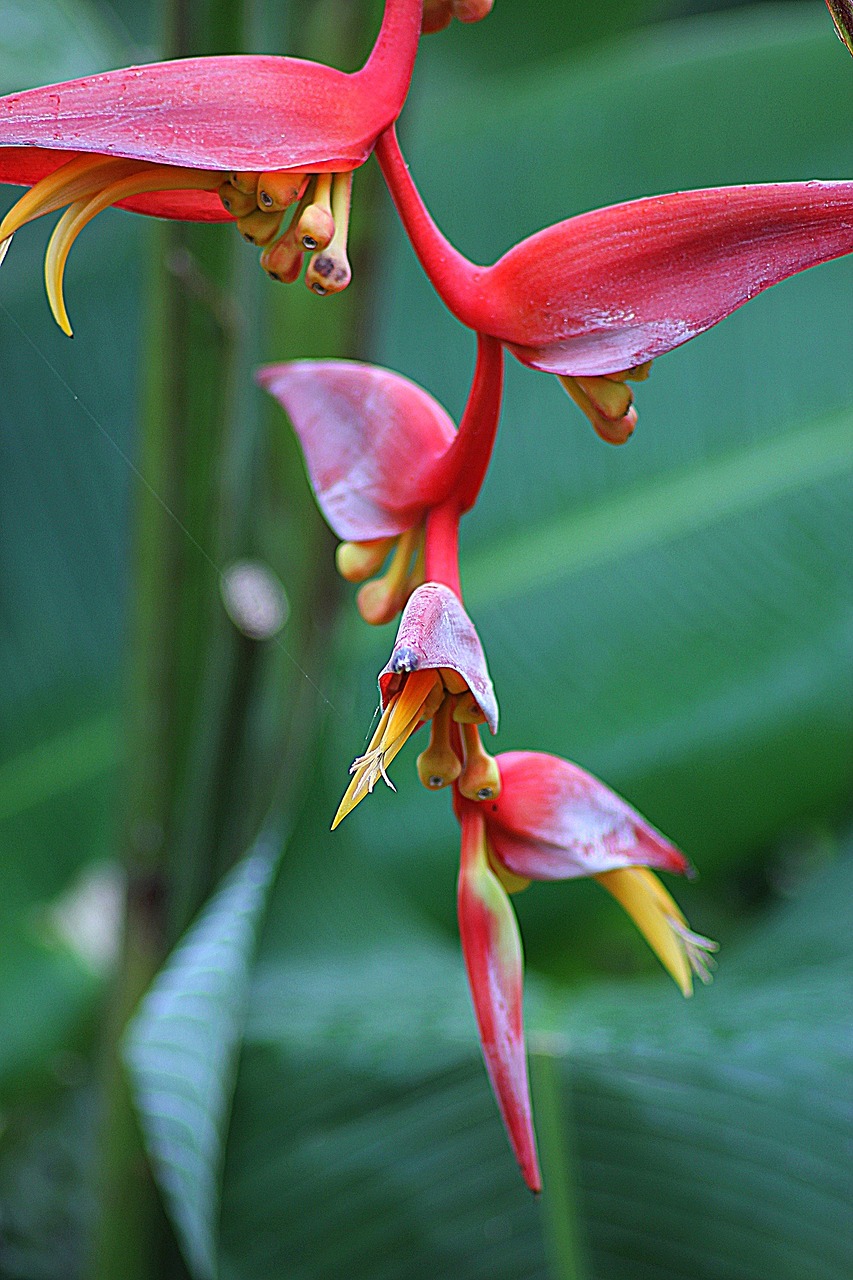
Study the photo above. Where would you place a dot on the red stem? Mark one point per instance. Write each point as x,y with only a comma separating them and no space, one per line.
452,275
441,546
388,70
462,469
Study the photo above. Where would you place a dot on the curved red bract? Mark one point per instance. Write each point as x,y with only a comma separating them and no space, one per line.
243,112
554,821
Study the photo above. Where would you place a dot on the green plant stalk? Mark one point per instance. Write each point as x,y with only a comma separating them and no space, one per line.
197,778
559,1204
186,403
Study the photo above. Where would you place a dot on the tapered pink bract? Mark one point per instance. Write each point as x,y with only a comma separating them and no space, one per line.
493,961
435,631
605,291
233,113
554,821
613,288
370,439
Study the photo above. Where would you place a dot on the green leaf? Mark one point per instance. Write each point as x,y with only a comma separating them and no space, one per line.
710,1133
45,992
44,41
182,1049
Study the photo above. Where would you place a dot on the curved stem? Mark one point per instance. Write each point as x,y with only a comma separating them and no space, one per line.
462,469
441,549
388,70
452,275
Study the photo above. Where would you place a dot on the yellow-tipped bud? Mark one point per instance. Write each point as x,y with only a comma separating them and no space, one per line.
258,227
480,779
278,191
382,599
466,710
237,203
379,601
611,399
245,182
357,561
329,270
439,765
316,228
283,259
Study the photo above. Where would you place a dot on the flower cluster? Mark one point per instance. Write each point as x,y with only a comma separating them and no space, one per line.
271,143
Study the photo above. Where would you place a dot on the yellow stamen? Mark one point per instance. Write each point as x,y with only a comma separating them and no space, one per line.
401,717
237,203
79,179
278,191
611,399
258,227
329,269
480,778
316,225
245,182
661,922
382,599
357,561
439,765
614,429
453,682
75,218
467,710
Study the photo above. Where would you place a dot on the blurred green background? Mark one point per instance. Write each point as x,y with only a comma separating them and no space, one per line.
675,615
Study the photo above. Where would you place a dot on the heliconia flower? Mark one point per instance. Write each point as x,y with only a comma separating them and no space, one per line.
437,671
595,298
381,455
841,12
209,139
550,820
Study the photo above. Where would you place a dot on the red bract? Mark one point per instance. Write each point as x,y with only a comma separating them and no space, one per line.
494,963
549,820
598,295
233,113
554,821
243,137
388,468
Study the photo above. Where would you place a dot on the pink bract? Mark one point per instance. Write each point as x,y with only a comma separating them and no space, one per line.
435,631
370,439
554,821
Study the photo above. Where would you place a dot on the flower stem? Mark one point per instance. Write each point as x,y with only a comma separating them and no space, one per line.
461,471
442,546
454,277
